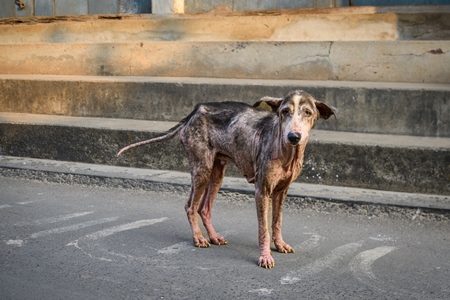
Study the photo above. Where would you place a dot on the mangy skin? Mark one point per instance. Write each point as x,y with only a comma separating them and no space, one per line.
266,146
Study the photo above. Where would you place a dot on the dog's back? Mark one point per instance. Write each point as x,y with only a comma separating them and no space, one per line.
224,115
228,130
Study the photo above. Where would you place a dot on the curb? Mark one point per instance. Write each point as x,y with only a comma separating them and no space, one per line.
239,185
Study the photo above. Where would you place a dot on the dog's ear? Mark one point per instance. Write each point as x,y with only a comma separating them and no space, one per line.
269,103
325,111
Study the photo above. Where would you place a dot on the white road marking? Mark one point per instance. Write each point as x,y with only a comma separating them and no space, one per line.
88,241
18,243
327,262
71,227
310,243
176,248
361,264
63,218
383,238
361,267
109,231
19,203
25,202
262,292
75,244
57,219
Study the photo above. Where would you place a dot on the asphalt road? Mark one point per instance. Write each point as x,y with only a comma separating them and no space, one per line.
60,241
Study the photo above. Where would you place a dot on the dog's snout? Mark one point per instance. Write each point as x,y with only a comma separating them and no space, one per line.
294,137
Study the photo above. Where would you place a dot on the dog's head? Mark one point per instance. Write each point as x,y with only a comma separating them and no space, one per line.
297,112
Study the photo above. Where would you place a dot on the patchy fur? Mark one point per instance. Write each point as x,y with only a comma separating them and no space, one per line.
266,145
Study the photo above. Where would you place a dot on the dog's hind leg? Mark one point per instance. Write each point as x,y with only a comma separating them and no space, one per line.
205,208
201,161
199,183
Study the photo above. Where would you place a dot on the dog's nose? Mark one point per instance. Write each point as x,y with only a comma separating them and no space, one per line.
294,137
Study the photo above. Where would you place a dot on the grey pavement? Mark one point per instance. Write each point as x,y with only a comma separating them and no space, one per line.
332,193
74,241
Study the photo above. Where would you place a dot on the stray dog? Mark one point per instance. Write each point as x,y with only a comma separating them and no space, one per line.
266,146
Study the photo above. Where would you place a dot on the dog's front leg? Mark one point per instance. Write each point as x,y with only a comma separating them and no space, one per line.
277,207
262,208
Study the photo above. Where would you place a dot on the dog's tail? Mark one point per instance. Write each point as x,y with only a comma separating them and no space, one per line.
170,134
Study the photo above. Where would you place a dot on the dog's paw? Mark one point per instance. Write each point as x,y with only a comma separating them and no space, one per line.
201,242
266,261
218,240
282,247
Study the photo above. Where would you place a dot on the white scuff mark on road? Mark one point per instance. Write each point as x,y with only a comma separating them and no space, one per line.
71,227
176,248
327,262
262,292
129,226
4,206
75,244
311,243
63,218
57,219
383,238
361,267
361,264
89,241
25,202
17,243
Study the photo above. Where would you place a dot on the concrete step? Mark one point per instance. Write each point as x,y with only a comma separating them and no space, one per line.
348,24
378,61
365,107
392,163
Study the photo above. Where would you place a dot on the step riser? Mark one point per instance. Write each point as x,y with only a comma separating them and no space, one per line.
411,61
408,170
386,109
281,27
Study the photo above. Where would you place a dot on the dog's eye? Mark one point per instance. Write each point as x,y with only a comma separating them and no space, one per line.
308,113
286,112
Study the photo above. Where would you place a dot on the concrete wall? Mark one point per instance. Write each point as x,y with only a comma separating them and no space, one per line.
199,6
8,8
398,2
